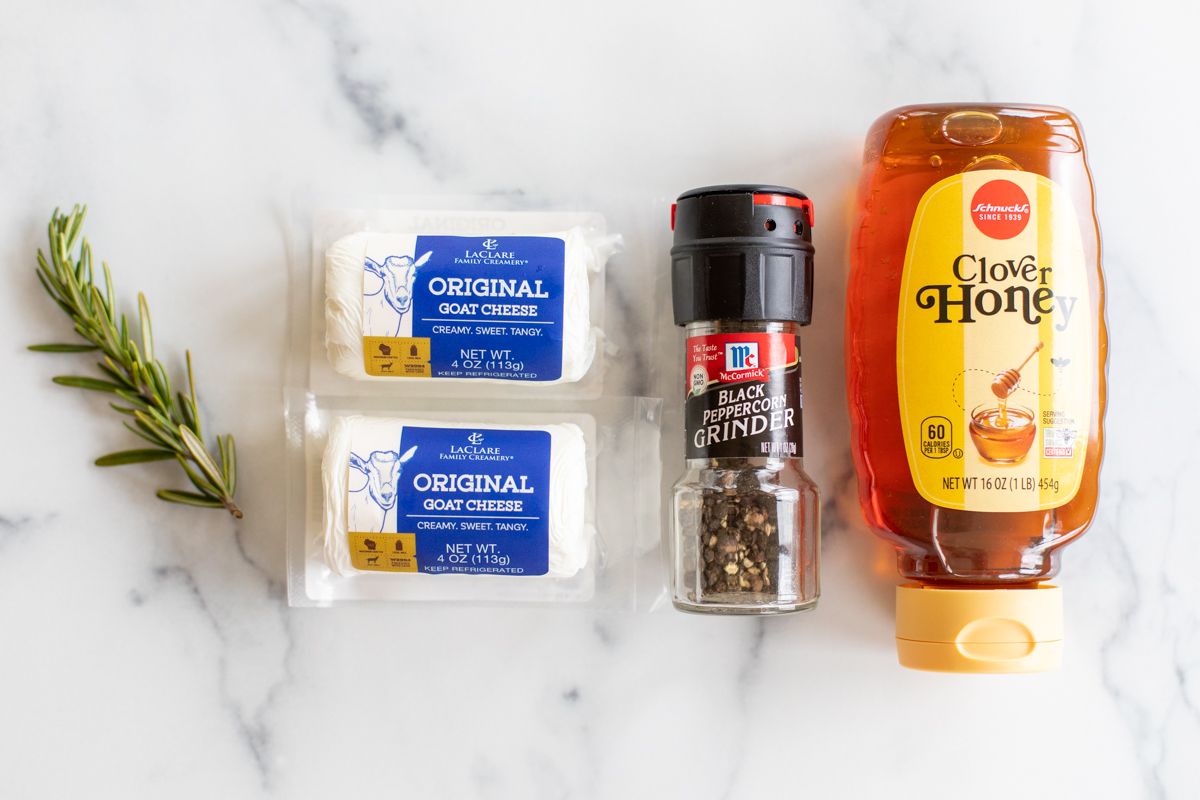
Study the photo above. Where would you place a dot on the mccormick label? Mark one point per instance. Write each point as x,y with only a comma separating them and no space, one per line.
744,398
450,500
463,307
995,354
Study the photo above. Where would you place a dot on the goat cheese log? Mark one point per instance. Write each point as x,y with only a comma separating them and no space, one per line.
405,495
495,308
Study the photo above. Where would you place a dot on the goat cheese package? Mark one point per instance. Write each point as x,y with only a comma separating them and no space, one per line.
455,499
462,307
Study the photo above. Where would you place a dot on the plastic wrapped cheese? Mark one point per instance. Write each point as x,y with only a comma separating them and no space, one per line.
498,308
406,495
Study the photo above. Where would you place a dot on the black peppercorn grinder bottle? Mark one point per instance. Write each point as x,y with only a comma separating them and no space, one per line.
745,519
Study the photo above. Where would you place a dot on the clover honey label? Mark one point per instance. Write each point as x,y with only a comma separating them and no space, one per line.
994,358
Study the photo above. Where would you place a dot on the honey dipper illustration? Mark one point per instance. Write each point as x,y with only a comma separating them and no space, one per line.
1003,435
1006,382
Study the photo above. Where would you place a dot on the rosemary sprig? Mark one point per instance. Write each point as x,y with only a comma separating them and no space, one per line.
168,421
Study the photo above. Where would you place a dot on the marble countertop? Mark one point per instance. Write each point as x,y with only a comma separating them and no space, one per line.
148,651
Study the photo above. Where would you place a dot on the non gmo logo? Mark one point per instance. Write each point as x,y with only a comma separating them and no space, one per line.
1000,209
740,356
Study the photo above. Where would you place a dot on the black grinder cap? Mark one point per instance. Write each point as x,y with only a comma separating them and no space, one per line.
742,251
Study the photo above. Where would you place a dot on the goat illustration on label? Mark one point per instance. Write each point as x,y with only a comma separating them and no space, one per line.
382,469
395,274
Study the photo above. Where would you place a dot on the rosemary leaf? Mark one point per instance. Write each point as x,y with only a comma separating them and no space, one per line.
133,457
147,332
73,229
231,462
79,382
161,382
117,377
192,408
190,499
198,480
223,457
108,293
53,294
189,419
63,348
133,398
156,419
148,436
201,455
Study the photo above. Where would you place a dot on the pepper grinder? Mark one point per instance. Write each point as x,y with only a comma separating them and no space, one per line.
745,523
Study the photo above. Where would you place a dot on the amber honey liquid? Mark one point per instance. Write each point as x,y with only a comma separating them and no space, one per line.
1002,434
907,152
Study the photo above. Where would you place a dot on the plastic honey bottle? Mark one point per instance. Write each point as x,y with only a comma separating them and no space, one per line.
976,350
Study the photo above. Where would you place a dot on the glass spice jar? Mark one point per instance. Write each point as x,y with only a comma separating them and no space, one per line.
745,521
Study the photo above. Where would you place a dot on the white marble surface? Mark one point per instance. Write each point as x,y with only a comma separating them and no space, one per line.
147,651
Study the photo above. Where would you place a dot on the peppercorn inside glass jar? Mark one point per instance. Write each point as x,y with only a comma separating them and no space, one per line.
745,523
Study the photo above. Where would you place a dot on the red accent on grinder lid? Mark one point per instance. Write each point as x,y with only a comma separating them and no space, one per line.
776,200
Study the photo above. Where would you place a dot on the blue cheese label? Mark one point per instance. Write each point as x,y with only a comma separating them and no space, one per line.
450,500
464,307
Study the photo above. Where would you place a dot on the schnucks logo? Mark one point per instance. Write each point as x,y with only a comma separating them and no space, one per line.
1000,209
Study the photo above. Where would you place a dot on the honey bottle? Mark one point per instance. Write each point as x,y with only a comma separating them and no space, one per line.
976,351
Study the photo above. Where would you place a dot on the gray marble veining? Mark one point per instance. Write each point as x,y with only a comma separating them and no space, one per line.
148,650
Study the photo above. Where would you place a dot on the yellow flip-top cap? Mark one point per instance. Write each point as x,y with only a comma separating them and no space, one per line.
979,630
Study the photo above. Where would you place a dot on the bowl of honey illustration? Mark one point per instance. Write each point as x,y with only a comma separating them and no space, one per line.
1002,433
